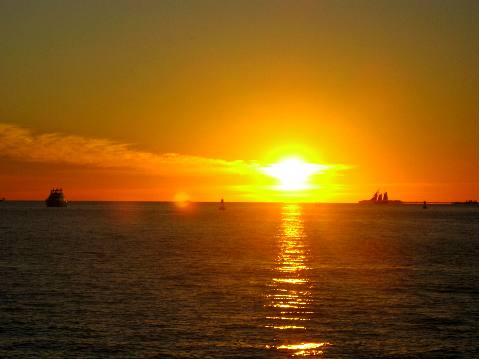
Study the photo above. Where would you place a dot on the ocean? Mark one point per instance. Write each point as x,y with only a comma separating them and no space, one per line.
156,280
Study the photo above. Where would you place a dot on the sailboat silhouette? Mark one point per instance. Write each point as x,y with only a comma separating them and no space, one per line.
380,198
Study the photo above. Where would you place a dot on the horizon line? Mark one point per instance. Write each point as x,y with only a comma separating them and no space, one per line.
232,202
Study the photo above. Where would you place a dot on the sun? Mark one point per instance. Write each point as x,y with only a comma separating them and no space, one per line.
292,173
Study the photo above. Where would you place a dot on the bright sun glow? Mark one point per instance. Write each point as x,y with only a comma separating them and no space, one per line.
293,173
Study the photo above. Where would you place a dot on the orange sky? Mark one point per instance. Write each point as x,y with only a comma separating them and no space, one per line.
96,98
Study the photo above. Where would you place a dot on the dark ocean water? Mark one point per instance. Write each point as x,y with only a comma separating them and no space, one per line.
151,280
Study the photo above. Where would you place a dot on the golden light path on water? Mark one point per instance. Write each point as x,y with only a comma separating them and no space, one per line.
290,299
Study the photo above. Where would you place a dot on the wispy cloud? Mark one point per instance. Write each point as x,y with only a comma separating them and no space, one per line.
22,144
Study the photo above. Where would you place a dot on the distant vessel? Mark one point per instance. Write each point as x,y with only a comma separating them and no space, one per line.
56,198
469,203
2,199
424,206
380,198
222,205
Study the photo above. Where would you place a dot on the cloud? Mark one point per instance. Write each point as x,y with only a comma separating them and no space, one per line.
22,144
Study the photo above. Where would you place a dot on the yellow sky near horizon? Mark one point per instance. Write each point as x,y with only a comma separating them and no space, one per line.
101,169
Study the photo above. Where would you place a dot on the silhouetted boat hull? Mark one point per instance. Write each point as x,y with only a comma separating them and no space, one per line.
56,203
380,202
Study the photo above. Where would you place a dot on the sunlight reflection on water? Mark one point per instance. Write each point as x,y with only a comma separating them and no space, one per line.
290,289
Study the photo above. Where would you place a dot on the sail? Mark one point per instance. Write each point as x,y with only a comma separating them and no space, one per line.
385,196
380,197
375,197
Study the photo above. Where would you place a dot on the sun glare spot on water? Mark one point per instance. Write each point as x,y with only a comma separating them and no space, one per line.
290,280
293,173
304,349
302,346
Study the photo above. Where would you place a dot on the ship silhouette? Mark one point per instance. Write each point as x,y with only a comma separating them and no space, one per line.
56,198
380,198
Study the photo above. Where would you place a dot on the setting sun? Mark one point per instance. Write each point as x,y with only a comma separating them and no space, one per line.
293,173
